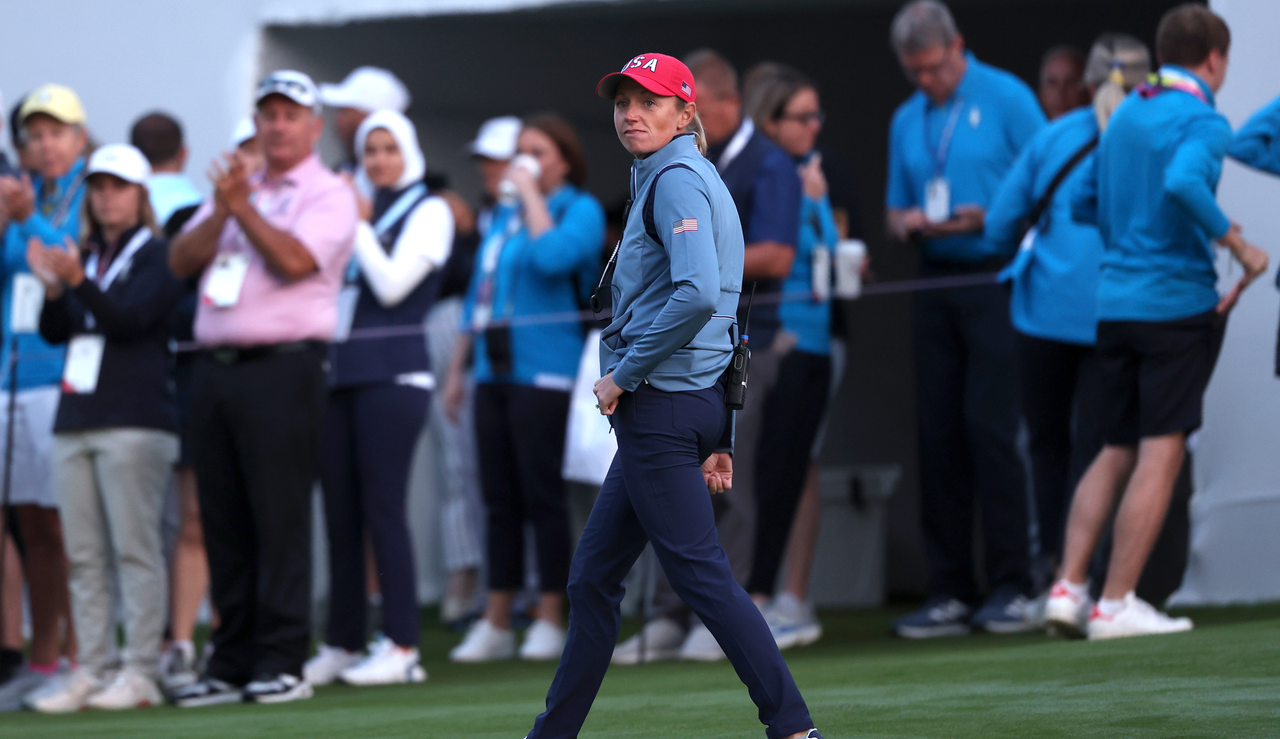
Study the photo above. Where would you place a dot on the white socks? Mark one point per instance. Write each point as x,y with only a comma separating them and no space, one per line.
1079,591
1111,606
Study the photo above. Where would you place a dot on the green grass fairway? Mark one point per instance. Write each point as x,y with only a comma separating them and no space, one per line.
1221,680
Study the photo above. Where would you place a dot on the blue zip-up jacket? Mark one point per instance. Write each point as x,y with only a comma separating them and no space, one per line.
675,303
997,115
1055,282
1257,143
39,363
544,280
808,319
1151,192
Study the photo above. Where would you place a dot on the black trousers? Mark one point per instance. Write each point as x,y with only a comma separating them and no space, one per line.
370,433
967,410
256,440
1060,399
792,414
520,433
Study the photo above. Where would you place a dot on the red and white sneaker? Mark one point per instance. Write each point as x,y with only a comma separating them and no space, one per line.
1066,612
1136,618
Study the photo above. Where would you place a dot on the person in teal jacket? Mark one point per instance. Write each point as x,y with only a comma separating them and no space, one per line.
46,209
524,333
1054,281
1257,144
1151,192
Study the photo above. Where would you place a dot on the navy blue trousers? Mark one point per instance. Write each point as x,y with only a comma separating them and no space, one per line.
655,493
370,433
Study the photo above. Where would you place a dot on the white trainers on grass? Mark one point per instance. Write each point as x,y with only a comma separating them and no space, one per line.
659,640
701,646
1067,610
327,664
485,642
792,622
73,695
1135,618
130,689
543,642
386,664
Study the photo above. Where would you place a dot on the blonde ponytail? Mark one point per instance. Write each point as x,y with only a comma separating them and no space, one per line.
699,135
1117,64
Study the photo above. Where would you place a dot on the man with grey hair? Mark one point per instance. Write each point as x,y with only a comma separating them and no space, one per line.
950,145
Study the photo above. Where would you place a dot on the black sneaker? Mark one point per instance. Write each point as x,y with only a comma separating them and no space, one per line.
207,691
280,688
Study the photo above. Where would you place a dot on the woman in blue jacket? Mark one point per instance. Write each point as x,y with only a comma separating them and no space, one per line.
532,274
1055,283
380,389
675,295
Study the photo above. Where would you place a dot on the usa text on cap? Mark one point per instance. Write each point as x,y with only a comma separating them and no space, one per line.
121,160
296,86
368,89
657,73
56,101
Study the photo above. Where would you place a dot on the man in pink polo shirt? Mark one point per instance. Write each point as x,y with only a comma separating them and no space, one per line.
270,248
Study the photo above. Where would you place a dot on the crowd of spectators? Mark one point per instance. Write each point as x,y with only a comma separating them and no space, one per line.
306,324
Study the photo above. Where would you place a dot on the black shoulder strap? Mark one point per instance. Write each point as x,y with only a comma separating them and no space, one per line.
649,226
1043,204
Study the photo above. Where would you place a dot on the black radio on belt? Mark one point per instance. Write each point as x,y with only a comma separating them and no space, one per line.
735,392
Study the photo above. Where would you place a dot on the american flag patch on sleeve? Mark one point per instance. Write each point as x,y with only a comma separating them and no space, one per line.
685,224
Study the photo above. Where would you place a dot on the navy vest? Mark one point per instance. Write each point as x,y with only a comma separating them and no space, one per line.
740,178
402,347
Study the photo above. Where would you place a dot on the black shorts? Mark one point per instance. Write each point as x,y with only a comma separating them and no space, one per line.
1154,374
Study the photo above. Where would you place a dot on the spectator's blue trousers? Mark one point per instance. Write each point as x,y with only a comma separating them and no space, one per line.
655,492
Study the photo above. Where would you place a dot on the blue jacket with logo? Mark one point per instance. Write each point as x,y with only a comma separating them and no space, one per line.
675,302
996,115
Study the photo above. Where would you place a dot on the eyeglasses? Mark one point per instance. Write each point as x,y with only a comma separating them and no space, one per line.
806,119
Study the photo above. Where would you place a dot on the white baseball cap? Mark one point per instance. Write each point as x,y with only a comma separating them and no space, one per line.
121,160
296,86
367,89
245,130
497,138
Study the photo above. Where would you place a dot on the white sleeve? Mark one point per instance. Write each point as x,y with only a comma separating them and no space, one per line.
423,246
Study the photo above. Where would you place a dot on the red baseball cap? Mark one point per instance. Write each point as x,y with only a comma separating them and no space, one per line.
658,73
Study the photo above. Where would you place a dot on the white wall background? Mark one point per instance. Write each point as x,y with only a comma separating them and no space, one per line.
1235,532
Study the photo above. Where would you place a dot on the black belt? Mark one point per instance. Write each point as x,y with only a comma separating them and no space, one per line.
238,354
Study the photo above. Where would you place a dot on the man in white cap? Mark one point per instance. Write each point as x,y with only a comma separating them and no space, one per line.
271,249
365,90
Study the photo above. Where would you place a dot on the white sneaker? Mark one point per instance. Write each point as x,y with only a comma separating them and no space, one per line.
484,643
178,666
387,664
544,641
701,646
1136,618
791,622
659,640
1067,613
130,689
73,696
328,663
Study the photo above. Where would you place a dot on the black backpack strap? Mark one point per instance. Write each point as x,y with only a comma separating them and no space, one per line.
649,226
1043,203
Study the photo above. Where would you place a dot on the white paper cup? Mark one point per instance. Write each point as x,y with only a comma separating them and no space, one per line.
850,256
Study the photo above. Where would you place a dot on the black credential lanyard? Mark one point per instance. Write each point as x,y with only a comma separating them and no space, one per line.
735,392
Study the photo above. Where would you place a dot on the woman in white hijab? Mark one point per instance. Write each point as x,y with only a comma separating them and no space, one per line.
380,391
